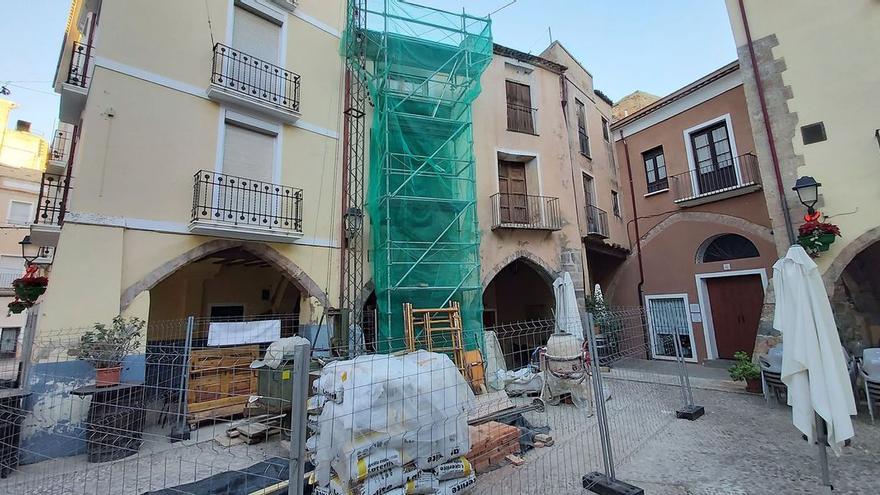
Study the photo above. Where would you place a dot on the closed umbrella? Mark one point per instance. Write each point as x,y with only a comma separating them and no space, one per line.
568,318
813,365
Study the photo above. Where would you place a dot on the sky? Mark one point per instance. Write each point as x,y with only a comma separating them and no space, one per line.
656,46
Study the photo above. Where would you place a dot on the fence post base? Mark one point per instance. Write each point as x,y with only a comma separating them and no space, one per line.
597,482
690,412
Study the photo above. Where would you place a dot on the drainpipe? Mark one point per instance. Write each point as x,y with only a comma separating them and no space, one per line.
767,128
632,197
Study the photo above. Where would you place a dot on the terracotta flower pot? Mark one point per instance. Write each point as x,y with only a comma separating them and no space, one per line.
107,377
753,386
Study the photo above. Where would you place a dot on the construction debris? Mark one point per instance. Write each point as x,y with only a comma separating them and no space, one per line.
491,443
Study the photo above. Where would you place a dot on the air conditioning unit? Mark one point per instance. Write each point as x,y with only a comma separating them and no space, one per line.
287,4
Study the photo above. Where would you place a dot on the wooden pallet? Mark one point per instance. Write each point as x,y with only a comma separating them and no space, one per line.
220,382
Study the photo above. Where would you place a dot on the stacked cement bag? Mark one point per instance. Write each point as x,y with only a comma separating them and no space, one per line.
389,424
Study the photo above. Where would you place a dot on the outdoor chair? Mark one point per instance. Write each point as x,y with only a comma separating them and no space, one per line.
771,372
870,372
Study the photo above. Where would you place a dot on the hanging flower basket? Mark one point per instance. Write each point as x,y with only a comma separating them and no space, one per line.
817,237
17,306
29,289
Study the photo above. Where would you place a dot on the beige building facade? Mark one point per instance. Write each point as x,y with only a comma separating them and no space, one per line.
813,106
545,176
702,243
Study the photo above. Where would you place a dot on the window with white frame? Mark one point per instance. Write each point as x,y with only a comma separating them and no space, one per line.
20,212
248,153
9,340
669,320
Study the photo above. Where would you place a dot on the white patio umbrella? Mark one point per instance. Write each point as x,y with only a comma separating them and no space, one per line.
568,319
813,365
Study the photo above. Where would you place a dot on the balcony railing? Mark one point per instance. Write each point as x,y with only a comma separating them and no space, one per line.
52,203
247,76
224,202
597,221
521,118
523,211
81,59
60,150
717,180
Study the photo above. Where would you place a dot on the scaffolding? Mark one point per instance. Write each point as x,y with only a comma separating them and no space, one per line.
422,71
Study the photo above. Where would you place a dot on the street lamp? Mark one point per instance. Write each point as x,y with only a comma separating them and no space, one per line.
354,222
29,251
807,190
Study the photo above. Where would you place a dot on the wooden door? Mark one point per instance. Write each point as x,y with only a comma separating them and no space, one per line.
513,199
713,158
736,309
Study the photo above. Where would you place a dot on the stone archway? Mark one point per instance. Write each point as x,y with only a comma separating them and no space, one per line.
846,256
543,268
297,276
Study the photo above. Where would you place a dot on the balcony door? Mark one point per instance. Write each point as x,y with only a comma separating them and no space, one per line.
513,199
590,200
257,40
715,168
245,190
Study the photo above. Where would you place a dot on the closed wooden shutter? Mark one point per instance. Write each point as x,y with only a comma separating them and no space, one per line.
519,108
513,199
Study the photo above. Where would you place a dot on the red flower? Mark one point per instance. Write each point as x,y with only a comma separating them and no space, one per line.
30,282
818,228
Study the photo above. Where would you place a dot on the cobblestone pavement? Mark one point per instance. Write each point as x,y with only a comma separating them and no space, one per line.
743,447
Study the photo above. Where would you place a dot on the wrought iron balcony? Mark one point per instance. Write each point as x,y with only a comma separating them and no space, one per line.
51,208
59,152
597,222
524,211
239,77
716,180
81,61
238,207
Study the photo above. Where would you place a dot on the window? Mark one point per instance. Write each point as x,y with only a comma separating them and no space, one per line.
668,320
713,158
9,340
615,203
20,213
583,138
726,247
248,154
605,131
255,35
655,170
520,116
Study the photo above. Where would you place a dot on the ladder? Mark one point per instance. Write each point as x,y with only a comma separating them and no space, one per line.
436,330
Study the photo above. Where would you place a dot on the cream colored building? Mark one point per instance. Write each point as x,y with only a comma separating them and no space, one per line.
22,161
817,84
203,177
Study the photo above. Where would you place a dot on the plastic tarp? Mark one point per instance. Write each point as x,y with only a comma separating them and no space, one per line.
411,408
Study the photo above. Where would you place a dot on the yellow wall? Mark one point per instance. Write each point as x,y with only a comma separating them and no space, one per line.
830,55
20,149
148,126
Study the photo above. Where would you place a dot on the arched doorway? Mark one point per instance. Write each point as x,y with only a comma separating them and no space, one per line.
518,305
856,300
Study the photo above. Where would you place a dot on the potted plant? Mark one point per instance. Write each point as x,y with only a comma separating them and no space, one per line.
747,371
30,288
106,346
17,306
816,236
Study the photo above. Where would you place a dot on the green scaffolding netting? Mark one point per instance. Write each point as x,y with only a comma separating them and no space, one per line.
423,73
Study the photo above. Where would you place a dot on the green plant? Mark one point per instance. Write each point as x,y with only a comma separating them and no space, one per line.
18,306
106,346
744,369
815,236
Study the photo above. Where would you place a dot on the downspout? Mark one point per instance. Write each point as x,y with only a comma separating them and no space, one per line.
632,197
767,127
